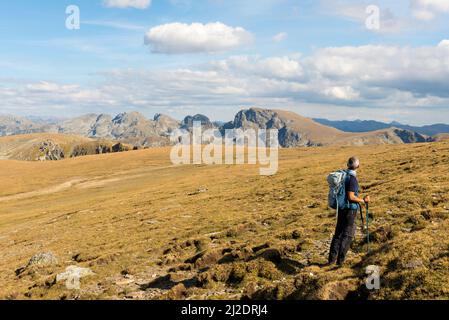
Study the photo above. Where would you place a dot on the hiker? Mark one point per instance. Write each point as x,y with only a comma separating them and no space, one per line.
347,216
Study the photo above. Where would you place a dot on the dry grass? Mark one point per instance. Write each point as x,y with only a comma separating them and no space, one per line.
26,147
150,230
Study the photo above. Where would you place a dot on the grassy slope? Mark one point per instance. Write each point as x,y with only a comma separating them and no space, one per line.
26,147
142,226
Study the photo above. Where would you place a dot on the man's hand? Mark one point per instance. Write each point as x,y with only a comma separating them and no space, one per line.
353,198
367,199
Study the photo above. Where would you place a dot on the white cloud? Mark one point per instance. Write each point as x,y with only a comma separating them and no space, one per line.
341,93
444,44
428,9
272,67
280,37
137,4
179,38
419,70
378,80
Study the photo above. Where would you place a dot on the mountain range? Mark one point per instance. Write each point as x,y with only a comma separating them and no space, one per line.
135,129
371,125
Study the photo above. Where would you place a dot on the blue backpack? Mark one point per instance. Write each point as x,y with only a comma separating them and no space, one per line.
337,198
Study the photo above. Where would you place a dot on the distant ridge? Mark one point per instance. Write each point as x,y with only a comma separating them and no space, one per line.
371,125
295,130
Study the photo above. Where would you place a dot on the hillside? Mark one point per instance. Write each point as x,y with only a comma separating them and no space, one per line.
149,230
43,146
442,137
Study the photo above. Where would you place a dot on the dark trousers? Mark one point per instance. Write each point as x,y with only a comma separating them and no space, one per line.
344,233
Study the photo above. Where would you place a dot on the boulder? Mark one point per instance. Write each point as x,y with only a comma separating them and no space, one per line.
119,147
40,260
43,259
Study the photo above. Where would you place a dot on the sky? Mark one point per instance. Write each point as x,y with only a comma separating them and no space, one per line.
339,59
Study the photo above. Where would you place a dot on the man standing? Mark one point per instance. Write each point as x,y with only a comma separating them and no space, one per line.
347,216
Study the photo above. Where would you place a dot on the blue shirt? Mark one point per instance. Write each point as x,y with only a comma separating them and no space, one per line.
352,185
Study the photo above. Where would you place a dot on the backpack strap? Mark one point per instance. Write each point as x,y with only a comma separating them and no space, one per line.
348,176
336,215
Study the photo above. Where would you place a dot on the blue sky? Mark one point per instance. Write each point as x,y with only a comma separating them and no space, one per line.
215,57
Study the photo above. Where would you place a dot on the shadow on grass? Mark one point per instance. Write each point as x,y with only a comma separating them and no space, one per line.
285,265
167,283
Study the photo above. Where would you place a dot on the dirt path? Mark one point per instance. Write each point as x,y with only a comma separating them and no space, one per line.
81,183
53,189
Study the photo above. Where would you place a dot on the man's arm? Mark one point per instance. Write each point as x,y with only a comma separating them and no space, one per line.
353,198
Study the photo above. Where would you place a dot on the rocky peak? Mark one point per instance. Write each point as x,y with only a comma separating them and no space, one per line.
259,118
165,124
129,118
205,121
79,126
102,127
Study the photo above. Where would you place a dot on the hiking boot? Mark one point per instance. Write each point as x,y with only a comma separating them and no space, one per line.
330,263
340,264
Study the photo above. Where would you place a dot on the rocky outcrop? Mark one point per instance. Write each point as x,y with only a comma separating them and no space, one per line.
255,118
289,138
258,119
102,127
40,260
165,124
133,125
52,147
98,148
119,147
102,148
408,136
90,149
50,151
187,123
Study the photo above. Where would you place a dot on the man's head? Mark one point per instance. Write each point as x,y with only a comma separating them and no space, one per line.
353,163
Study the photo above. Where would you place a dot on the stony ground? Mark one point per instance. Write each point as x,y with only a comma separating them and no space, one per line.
138,228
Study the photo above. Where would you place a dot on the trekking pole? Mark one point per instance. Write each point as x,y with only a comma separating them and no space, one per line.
367,226
361,217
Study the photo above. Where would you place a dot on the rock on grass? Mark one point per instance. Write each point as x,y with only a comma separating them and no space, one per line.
37,261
